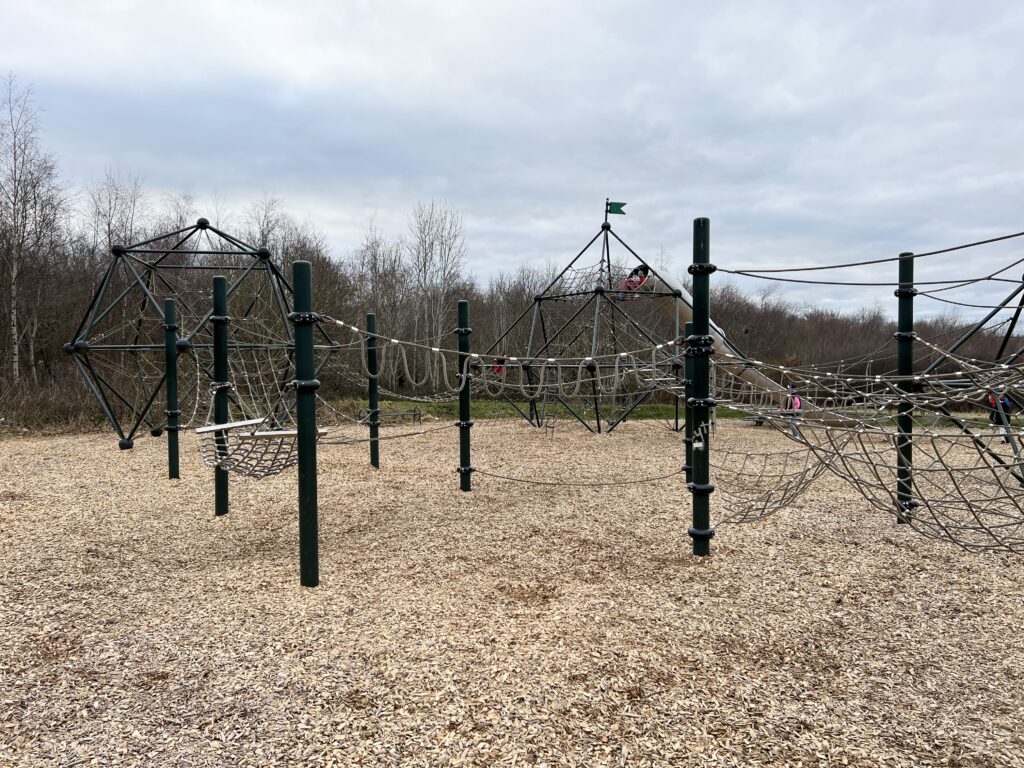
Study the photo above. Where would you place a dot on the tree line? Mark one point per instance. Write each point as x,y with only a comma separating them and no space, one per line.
55,243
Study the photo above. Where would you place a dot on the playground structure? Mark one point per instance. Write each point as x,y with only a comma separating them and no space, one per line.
896,435
132,346
598,309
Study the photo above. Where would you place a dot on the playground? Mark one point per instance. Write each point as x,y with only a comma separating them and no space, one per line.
529,582
520,624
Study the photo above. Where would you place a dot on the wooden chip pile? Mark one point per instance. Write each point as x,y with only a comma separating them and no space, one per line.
518,625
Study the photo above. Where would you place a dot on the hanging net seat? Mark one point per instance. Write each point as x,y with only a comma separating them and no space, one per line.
251,447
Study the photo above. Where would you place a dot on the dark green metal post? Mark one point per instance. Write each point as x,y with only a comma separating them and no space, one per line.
220,321
699,348
905,369
171,363
465,424
372,395
688,415
305,411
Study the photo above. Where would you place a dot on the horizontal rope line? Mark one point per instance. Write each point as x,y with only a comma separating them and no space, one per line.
578,485
887,259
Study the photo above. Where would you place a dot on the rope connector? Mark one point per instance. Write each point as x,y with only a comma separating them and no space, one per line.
701,402
905,335
700,534
302,386
462,331
466,424
701,269
303,318
220,319
465,470
701,489
905,293
699,346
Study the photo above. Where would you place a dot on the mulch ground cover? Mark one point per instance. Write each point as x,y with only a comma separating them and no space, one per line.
528,623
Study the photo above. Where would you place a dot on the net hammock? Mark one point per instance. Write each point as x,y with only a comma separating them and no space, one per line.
254,447
248,447
967,462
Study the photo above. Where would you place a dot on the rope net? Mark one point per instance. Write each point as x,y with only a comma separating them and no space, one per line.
957,473
248,448
119,347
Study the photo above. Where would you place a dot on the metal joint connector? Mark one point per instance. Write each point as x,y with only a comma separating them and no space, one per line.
701,402
701,534
465,470
701,269
217,386
169,414
699,346
701,489
302,386
220,319
170,326
304,318
905,293
904,335
461,424
462,331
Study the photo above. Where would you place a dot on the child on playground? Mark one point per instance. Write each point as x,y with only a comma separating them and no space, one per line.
636,278
792,408
999,405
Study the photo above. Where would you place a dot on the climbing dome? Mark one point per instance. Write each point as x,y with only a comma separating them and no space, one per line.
608,309
120,347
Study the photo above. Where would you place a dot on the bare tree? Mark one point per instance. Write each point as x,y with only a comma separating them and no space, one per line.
31,201
117,210
177,212
436,255
263,221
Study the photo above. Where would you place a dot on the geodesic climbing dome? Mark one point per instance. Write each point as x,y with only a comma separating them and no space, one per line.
606,301
119,347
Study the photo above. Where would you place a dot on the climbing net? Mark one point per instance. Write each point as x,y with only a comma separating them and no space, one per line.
954,470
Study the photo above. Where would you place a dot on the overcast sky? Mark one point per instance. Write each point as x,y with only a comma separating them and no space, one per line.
809,133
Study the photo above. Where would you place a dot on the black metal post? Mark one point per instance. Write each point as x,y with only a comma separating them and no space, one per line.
465,424
905,369
171,363
699,347
220,321
305,414
373,401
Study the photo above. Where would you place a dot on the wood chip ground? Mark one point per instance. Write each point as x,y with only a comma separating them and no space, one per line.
517,625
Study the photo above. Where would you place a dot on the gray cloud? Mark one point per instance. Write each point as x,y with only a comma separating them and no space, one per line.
810,132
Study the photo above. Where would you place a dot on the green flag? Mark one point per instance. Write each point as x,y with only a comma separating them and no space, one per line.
616,208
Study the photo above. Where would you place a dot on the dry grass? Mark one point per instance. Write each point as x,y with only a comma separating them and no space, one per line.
517,625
